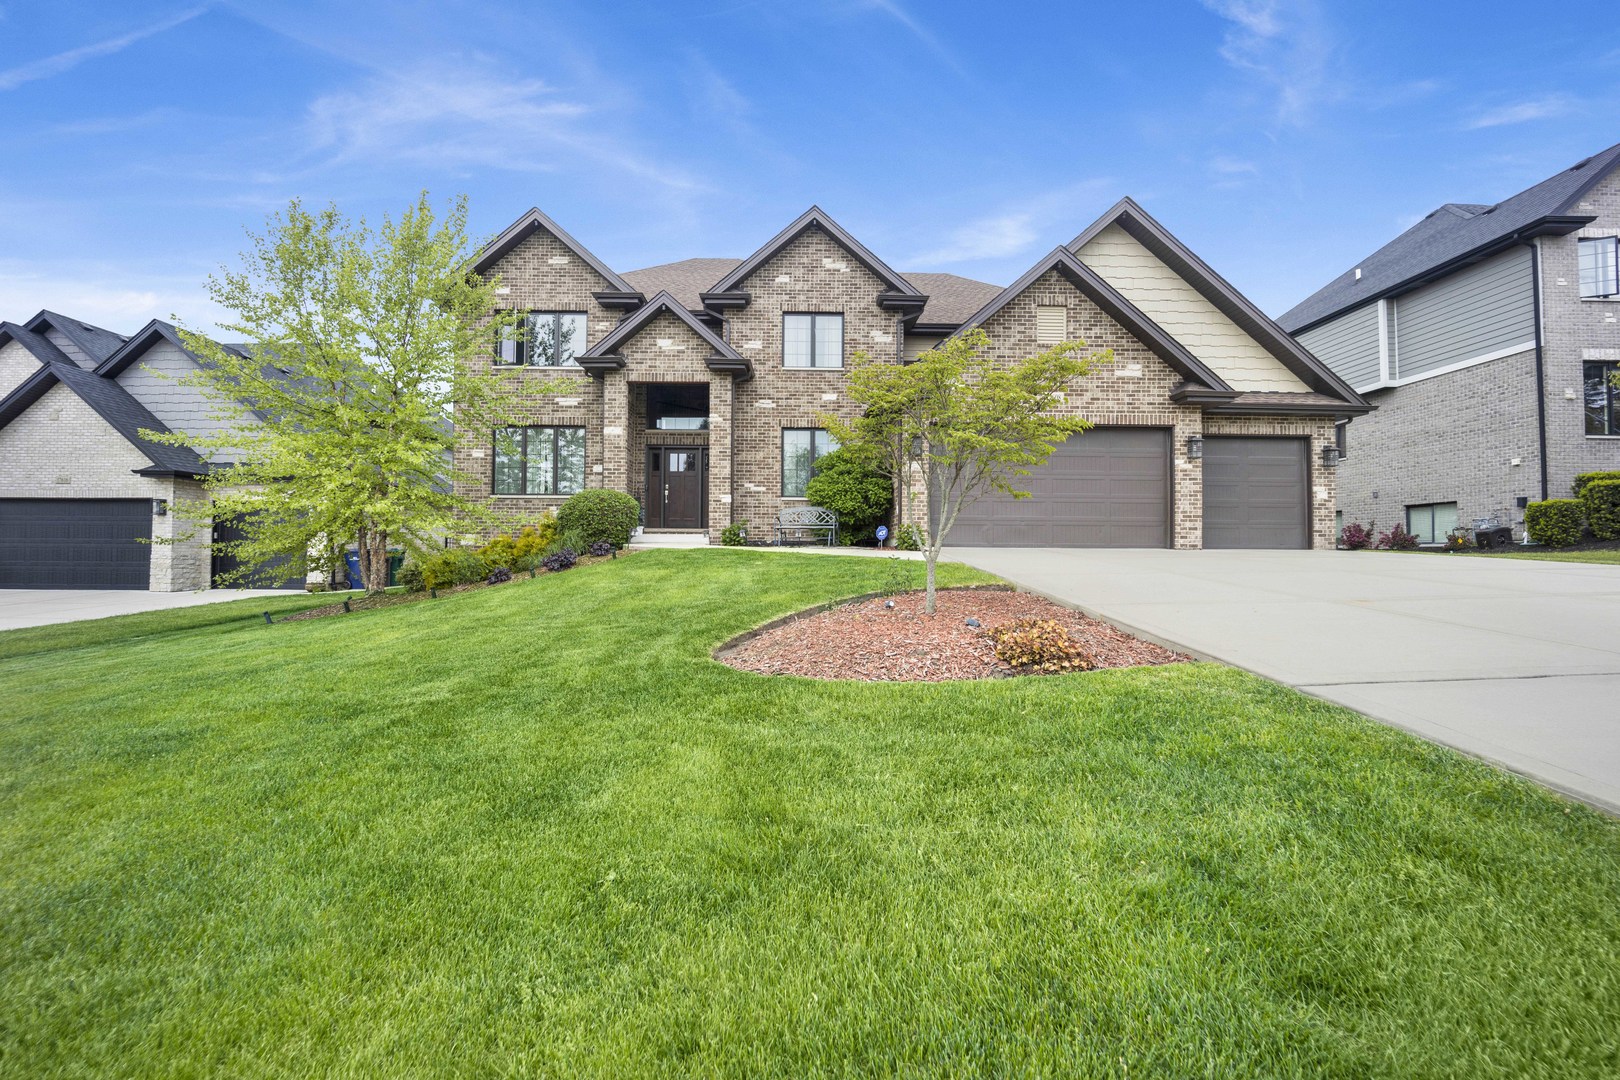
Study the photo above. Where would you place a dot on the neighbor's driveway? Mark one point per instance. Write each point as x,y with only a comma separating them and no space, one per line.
40,607
1514,660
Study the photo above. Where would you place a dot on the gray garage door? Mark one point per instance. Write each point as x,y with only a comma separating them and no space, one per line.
1108,487
1255,493
75,543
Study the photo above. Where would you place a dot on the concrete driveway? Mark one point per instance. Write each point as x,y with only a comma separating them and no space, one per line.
1513,660
41,607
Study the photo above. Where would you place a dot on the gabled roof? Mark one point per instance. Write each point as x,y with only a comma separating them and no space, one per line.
1455,234
98,343
110,401
603,355
1121,310
684,280
951,297
901,295
527,226
1140,225
138,343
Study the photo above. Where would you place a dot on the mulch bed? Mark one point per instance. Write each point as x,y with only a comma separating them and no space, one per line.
361,602
867,640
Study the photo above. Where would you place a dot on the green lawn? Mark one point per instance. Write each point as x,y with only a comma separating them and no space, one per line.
535,830
1610,556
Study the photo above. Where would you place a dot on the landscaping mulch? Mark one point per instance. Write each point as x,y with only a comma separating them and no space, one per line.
362,602
870,641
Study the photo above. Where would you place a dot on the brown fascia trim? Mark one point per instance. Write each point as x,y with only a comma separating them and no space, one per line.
1121,310
1333,409
909,305
722,365
1142,227
1194,394
720,301
815,217
602,359
598,366
157,473
523,227
613,299
1550,225
945,329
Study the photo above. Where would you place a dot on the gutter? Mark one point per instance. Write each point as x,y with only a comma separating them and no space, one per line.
1541,374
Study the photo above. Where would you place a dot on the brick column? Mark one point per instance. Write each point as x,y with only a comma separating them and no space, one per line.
720,464
616,431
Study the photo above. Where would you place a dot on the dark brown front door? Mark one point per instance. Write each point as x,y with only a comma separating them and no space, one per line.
675,490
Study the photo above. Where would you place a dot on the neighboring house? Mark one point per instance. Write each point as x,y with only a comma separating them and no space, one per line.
1486,335
696,386
80,490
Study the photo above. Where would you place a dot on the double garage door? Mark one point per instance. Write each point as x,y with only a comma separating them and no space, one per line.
1110,487
75,543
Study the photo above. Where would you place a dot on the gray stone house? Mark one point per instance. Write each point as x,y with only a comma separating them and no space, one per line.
696,386
1485,335
81,493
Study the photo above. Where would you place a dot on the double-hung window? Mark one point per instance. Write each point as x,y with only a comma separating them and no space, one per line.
1602,399
1431,523
800,449
539,460
1600,267
813,341
545,339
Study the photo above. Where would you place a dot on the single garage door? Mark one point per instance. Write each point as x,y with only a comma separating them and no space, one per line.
75,543
1255,493
1107,487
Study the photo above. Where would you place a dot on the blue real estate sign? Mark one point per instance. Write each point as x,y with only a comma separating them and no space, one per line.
882,533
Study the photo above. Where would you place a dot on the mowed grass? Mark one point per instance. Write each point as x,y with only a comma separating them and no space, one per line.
536,830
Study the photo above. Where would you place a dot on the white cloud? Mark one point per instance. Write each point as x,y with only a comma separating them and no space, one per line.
893,10
1540,108
44,68
992,237
457,116
116,297
1285,45
1040,221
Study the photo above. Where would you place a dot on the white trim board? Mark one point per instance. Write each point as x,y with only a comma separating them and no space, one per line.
1499,354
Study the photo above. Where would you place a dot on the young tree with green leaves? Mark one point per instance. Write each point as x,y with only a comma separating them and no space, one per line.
336,417
971,423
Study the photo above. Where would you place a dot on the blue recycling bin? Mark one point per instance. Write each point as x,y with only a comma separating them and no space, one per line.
352,558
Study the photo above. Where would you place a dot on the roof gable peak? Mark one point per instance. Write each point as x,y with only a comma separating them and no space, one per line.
528,224
816,217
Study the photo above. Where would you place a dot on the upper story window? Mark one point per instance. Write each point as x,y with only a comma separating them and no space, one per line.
1600,266
813,341
539,460
1602,414
546,339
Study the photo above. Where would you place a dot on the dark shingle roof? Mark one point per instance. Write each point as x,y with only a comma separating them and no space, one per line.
110,401
1450,232
97,342
951,298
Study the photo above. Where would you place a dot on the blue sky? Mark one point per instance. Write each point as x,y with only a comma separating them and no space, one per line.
1281,140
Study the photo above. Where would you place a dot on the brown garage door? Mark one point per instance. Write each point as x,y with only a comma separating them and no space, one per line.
1255,493
1108,487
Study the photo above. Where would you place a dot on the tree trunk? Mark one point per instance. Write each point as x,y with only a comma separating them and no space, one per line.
373,551
930,556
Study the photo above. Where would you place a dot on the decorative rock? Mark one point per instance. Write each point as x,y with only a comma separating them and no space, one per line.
889,604
974,622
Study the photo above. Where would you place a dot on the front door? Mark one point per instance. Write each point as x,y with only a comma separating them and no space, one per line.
676,487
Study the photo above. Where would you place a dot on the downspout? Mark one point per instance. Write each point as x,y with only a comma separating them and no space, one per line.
1541,375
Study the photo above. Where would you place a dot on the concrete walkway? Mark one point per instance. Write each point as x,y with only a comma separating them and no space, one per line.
41,607
1513,660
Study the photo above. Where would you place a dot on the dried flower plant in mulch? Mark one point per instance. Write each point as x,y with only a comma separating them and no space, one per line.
867,640
361,602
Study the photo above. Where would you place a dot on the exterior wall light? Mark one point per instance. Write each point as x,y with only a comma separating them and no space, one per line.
1330,457
1195,448
160,507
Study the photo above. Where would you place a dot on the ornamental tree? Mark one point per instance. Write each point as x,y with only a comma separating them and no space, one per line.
971,424
336,415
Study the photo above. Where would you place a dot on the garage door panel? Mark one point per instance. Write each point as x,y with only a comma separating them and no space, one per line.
1108,487
1255,493
75,543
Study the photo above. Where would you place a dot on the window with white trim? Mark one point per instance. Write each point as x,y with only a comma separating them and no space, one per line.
1431,523
1051,324
1600,267
813,341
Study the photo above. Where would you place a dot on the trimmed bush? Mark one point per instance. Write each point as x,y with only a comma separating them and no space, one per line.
528,545
600,514
1555,522
1600,502
457,566
1591,477
860,495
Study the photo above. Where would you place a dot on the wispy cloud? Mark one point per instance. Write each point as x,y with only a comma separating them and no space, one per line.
893,10
1231,172
44,68
1522,112
716,98
462,116
119,297
1040,221
1286,46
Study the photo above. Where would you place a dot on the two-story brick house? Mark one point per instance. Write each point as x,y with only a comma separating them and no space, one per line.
1486,335
696,386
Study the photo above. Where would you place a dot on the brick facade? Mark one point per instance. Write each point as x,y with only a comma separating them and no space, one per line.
812,273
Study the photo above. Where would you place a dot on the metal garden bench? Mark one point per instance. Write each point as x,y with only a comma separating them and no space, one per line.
806,525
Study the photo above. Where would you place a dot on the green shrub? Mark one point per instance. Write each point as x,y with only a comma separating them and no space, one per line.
410,576
457,566
1591,477
859,494
529,544
908,537
735,534
600,514
574,540
1600,502
1555,522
